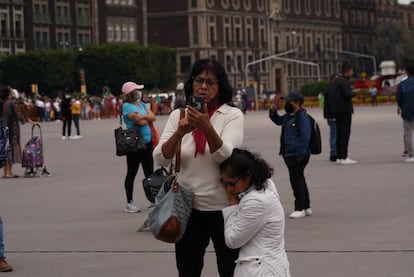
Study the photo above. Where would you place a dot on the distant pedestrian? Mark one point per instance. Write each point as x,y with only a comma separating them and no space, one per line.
405,100
294,148
75,109
13,118
341,107
4,266
255,220
331,120
66,114
136,113
373,93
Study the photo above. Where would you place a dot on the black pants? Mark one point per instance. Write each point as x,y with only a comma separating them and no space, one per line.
190,250
75,118
67,122
343,132
133,162
298,182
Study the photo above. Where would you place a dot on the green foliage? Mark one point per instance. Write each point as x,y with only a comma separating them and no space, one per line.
110,65
313,89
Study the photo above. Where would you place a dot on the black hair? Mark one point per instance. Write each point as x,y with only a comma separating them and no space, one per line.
241,162
4,92
346,67
409,66
225,92
333,77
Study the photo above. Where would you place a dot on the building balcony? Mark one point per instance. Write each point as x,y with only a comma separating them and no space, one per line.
41,18
63,20
83,21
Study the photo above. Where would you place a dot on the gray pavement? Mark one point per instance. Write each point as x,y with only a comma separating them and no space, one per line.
73,224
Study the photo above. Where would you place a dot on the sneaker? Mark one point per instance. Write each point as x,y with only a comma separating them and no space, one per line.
76,137
348,161
4,266
409,160
298,214
308,212
63,137
332,158
132,208
338,161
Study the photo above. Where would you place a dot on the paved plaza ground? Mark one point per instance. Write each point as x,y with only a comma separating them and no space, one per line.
73,224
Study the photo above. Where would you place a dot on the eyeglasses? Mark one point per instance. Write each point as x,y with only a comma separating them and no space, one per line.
231,184
209,82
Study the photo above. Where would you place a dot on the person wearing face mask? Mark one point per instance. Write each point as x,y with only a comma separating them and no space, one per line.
66,114
294,148
135,112
207,137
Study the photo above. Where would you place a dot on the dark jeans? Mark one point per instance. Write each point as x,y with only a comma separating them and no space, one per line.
67,122
190,250
75,118
298,182
343,132
133,162
332,136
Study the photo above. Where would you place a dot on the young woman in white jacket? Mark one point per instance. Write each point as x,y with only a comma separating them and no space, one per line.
255,220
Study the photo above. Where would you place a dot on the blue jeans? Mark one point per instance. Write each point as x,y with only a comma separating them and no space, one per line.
1,239
332,136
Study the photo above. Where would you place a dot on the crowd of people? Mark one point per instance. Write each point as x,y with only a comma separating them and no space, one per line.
236,204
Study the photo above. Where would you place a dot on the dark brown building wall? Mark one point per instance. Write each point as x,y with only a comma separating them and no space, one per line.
167,5
171,31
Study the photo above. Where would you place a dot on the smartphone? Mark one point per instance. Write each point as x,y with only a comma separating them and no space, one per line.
197,102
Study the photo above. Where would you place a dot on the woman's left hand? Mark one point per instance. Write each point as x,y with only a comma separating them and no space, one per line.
198,119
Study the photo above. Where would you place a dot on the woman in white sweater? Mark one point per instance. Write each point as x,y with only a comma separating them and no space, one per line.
208,138
254,221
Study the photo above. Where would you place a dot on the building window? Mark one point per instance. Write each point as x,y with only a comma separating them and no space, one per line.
124,36
132,33
117,32
110,33
247,5
4,29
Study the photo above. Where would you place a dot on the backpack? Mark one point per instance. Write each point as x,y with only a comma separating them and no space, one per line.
315,142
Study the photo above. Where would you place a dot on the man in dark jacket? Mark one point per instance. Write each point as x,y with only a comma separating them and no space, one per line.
294,147
405,100
339,105
66,113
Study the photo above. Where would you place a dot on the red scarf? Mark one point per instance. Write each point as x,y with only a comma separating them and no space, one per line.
198,135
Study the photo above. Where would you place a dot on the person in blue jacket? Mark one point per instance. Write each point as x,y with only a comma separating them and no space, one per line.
294,148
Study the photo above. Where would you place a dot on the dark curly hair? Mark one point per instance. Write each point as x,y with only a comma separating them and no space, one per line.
242,161
225,93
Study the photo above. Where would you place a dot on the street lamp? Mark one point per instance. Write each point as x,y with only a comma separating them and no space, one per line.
246,76
374,61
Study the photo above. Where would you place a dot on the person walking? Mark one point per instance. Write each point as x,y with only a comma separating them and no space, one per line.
373,93
294,148
341,107
405,101
66,114
207,139
135,113
331,120
255,220
13,118
4,266
75,109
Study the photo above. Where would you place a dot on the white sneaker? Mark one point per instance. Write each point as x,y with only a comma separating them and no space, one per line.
63,137
338,161
131,208
145,225
297,214
409,160
76,137
308,212
348,161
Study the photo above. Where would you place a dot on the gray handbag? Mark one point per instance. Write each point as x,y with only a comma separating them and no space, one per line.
173,205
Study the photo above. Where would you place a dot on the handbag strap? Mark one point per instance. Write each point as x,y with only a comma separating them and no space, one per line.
178,150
